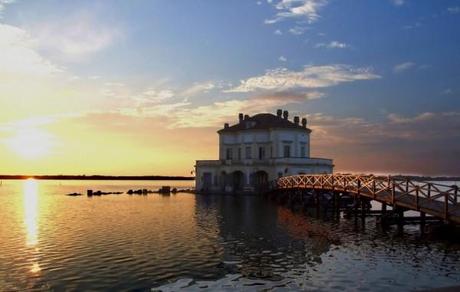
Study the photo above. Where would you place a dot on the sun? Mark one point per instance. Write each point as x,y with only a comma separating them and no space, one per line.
30,143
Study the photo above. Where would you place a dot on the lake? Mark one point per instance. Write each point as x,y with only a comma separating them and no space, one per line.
53,242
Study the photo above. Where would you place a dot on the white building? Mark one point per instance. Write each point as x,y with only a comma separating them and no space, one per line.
257,150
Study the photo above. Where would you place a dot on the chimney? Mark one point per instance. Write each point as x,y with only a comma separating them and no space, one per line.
296,120
246,117
226,126
240,117
285,115
304,122
279,113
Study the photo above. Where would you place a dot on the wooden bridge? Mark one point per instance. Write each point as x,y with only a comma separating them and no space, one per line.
434,199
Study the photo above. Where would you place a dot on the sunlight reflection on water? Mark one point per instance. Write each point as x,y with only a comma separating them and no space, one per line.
30,205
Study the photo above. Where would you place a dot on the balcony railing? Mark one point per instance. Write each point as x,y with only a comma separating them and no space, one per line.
266,161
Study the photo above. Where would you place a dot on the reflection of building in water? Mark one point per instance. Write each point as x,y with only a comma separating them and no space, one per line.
262,240
320,237
256,150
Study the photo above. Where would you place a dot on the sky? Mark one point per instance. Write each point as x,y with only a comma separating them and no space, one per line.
141,87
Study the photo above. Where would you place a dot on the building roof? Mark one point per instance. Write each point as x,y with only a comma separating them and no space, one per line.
263,121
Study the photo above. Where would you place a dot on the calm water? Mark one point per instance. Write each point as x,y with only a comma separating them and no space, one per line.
49,241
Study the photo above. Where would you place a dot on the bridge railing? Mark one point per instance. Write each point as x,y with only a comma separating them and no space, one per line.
373,186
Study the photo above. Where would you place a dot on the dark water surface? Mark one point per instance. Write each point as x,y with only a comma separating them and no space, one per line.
52,242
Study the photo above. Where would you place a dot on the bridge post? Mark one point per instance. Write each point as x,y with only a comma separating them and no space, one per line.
455,194
446,206
400,214
336,198
360,200
359,186
355,207
363,210
383,215
374,194
337,204
422,222
317,203
392,191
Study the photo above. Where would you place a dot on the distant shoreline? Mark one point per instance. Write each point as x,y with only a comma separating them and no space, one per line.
96,177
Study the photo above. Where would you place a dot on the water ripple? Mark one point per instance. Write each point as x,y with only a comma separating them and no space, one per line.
206,243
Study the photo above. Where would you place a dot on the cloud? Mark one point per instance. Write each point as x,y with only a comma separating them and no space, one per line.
183,114
156,96
413,26
215,114
282,59
19,56
397,2
289,97
3,4
76,37
297,9
392,145
278,32
200,87
332,45
454,10
282,79
297,30
164,110
403,67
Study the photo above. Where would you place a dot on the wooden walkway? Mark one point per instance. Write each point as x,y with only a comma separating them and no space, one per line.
431,198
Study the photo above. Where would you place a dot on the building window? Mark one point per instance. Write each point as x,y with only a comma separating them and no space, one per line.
248,152
261,153
229,154
302,151
239,153
287,151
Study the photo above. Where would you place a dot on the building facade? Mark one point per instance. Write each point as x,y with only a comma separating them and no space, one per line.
257,150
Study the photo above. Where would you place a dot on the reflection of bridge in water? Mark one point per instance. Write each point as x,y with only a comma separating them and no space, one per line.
437,200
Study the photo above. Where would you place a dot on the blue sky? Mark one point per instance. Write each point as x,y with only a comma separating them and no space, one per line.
374,78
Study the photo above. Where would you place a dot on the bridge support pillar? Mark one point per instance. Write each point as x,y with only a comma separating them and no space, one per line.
400,219
422,223
383,216
337,204
363,209
317,203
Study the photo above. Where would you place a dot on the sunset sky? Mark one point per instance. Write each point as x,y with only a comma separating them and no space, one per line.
141,87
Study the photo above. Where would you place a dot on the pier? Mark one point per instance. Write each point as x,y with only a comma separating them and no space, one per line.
436,200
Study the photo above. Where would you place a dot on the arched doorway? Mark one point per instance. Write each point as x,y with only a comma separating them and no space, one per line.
260,181
238,181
